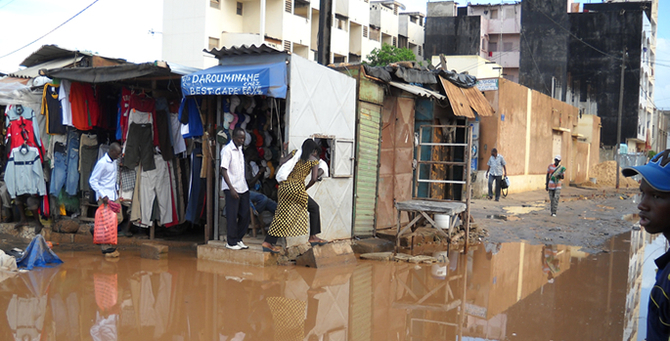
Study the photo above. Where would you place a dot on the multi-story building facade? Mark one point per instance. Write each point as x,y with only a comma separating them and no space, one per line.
489,31
359,26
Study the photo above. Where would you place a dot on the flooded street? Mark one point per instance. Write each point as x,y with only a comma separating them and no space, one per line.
511,291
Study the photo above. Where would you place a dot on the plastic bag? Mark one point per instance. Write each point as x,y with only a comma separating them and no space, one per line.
504,183
287,168
105,226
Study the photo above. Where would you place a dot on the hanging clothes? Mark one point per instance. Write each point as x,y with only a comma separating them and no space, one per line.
21,132
123,110
85,107
189,116
52,109
23,174
163,129
196,199
143,111
64,98
21,112
156,185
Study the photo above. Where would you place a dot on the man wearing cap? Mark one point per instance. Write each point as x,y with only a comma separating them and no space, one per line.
555,173
498,169
654,214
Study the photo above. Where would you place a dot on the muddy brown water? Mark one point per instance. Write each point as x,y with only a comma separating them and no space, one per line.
511,291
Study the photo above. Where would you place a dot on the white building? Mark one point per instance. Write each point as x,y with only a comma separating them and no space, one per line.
191,26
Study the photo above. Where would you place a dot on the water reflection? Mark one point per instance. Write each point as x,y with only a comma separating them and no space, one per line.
493,292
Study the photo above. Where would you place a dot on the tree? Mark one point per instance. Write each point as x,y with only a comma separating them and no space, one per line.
389,54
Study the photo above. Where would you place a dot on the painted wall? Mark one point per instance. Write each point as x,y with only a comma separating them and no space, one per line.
523,129
184,34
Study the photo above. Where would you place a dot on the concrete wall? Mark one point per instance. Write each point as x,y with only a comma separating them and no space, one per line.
522,129
453,35
441,9
184,34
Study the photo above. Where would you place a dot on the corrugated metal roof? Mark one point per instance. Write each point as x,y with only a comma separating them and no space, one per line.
50,52
243,50
419,91
113,73
33,71
464,100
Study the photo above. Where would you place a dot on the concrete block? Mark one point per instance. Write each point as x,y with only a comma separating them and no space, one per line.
332,254
153,251
380,256
217,251
370,245
65,226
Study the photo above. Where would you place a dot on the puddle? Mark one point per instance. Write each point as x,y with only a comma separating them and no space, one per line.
496,216
508,291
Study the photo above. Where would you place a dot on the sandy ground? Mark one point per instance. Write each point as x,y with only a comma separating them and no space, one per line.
586,217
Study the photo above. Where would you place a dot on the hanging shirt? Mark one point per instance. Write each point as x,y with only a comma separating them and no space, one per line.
189,115
123,112
85,107
22,113
21,131
52,109
64,98
24,174
143,111
103,179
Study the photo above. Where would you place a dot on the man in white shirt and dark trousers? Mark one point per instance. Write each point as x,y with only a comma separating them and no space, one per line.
498,170
234,186
103,181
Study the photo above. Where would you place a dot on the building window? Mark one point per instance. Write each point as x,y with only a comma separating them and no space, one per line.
215,4
419,50
239,8
341,22
287,45
213,43
507,47
365,31
375,34
288,6
412,19
339,59
494,13
395,41
493,47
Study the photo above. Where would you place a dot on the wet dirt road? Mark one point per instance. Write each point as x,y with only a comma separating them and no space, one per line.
510,291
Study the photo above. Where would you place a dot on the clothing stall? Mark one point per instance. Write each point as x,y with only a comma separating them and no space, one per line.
278,97
83,110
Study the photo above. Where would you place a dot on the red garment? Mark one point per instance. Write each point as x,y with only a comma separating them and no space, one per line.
146,104
85,107
124,111
20,131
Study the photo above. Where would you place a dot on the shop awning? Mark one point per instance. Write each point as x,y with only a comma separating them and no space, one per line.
103,74
464,100
256,79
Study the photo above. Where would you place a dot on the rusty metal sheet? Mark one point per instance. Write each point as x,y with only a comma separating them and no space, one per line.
478,102
385,212
457,98
417,90
463,100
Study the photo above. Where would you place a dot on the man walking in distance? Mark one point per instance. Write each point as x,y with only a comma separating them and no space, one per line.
555,173
498,169
654,206
234,186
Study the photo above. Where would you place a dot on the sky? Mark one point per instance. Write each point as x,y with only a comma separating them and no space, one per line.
131,29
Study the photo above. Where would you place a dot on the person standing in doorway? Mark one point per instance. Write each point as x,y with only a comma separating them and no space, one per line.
498,170
555,173
234,186
654,206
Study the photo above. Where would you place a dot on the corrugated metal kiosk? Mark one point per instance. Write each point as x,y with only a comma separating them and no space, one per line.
317,102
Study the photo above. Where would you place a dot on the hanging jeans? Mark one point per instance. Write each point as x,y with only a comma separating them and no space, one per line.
58,173
196,198
72,179
155,184
88,156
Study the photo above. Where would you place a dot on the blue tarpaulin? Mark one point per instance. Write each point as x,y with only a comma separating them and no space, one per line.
38,254
258,79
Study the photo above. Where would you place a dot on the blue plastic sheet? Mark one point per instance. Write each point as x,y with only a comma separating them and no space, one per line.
259,79
38,254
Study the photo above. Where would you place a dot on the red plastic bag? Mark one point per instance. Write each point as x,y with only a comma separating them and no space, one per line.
105,226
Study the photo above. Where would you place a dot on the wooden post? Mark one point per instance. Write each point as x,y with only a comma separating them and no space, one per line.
468,186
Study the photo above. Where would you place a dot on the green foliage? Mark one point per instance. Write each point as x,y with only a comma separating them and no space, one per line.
652,154
389,54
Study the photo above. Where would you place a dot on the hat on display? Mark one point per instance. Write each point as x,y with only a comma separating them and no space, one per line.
247,138
557,157
656,172
267,154
227,118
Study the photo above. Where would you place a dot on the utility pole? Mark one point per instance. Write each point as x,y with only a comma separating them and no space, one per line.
325,27
618,122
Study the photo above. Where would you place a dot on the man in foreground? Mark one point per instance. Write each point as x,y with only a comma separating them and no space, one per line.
654,213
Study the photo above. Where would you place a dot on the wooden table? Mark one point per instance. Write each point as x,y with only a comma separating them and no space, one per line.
424,208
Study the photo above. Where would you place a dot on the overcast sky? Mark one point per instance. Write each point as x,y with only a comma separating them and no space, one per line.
122,29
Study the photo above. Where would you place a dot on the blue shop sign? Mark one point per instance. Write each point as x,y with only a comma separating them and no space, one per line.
249,80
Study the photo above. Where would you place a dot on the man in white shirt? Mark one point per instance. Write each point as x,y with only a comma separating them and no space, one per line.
234,186
498,170
103,181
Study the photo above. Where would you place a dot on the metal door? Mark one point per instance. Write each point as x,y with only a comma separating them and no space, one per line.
368,137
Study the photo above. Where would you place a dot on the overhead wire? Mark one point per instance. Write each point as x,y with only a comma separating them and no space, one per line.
54,29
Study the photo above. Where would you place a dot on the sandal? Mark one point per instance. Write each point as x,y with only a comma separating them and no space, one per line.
272,249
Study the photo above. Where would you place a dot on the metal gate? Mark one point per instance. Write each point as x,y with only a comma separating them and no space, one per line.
368,138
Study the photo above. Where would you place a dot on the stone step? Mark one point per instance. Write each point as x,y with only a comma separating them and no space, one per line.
217,251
